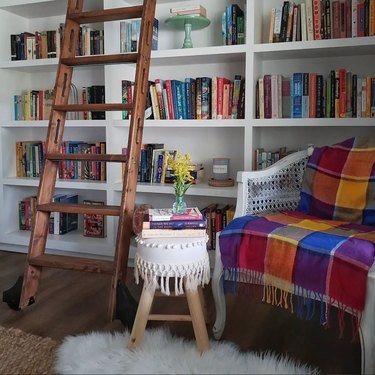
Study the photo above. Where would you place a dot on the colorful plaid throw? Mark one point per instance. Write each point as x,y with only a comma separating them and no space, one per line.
339,182
293,253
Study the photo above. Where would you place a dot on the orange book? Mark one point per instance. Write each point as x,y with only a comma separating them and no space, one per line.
342,99
312,95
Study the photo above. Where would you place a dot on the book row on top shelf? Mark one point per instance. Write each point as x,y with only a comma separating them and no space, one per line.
316,20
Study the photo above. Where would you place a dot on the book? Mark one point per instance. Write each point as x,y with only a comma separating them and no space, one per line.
68,220
170,233
166,214
188,10
94,224
173,224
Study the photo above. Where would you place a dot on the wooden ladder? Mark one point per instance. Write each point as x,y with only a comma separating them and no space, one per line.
37,259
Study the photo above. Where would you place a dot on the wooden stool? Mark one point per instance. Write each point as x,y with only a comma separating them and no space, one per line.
157,260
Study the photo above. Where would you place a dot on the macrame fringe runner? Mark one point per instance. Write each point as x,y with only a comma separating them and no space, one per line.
304,299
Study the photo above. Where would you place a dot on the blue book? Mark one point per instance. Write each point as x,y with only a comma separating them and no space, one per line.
305,96
174,84
68,220
188,97
180,111
206,97
297,95
174,224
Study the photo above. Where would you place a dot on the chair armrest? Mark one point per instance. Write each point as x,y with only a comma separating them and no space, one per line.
275,188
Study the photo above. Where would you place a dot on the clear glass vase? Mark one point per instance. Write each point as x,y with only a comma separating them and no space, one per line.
179,206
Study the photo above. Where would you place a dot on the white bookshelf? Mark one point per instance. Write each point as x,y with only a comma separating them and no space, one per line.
204,140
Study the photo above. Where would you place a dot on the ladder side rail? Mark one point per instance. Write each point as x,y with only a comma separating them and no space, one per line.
47,180
134,148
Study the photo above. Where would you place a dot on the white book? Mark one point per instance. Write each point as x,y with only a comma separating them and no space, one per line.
354,18
274,97
309,20
364,84
277,25
303,23
272,25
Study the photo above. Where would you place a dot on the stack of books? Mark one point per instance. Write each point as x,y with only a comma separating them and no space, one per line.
162,222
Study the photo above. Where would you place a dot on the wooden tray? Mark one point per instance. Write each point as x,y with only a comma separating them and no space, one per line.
221,183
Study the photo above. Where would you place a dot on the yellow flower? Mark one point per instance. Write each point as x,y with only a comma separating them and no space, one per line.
182,177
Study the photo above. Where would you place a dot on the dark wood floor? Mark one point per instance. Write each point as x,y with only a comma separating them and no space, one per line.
70,303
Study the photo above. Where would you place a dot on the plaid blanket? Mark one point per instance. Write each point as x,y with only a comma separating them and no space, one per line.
339,182
293,253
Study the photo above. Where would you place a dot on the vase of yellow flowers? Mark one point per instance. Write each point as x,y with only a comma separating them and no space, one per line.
182,180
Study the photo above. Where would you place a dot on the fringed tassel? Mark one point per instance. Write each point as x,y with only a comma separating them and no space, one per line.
158,275
356,324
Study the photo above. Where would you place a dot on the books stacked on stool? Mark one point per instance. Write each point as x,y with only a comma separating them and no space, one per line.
163,223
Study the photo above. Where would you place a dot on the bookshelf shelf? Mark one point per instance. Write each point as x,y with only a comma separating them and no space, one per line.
202,189
187,123
314,122
323,48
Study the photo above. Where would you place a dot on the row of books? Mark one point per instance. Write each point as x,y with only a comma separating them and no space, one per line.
153,165
160,223
30,159
192,98
341,94
47,44
33,105
130,32
38,45
233,25
36,104
322,19
264,159
61,222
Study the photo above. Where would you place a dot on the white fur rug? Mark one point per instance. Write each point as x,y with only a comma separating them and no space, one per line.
162,353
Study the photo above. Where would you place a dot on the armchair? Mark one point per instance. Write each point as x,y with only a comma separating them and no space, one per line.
268,206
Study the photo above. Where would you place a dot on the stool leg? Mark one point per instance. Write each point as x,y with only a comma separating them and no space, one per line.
141,318
203,304
199,325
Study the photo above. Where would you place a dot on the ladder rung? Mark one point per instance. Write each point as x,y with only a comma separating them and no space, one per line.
73,263
79,208
106,15
88,157
100,59
92,107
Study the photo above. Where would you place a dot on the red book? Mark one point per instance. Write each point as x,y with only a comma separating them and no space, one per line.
336,19
168,87
361,19
342,100
312,95
267,96
220,95
317,19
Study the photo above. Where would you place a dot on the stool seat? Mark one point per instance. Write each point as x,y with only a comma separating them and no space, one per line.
157,260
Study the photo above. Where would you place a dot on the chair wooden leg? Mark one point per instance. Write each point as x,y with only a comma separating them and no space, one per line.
141,318
199,325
